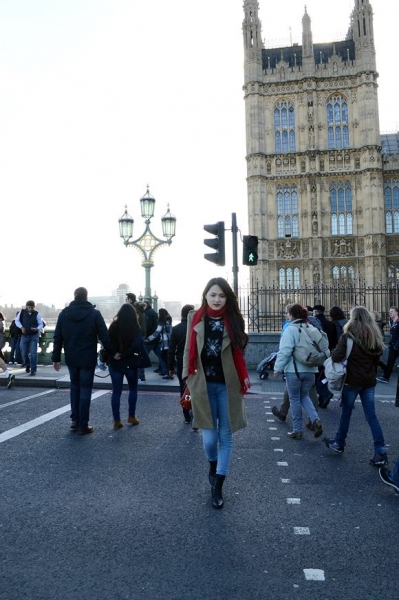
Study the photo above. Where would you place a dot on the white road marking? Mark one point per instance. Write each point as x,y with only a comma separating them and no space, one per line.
278,449
7,435
282,464
27,398
273,428
314,575
275,439
293,500
270,420
301,530
286,481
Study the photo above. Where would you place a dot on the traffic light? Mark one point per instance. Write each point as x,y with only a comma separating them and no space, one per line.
250,250
217,243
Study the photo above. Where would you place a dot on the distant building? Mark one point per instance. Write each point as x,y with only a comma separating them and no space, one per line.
323,183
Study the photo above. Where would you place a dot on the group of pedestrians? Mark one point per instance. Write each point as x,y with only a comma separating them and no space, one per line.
364,331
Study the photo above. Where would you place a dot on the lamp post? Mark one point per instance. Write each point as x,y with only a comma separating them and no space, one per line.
147,243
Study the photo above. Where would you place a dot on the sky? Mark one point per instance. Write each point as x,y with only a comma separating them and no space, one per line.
100,98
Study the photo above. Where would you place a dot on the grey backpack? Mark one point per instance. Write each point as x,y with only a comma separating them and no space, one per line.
312,348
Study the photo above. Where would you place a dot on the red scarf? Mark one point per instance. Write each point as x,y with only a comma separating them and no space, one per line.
238,355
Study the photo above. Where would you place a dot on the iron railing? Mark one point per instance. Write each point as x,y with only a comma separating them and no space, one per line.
264,308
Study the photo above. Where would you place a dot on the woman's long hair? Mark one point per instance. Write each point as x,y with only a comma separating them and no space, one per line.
163,316
364,330
336,313
297,311
233,314
124,327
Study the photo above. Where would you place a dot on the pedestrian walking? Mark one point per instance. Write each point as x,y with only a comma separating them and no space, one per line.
393,345
2,336
31,324
217,376
338,319
10,376
126,337
299,376
15,346
177,342
159,342
391,478
79,327
360,380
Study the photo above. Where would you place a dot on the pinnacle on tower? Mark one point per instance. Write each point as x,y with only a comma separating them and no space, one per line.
307,38
252,26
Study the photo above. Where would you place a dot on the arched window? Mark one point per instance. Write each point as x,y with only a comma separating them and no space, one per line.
287,211
391,191
289,277
338,123
343,274
284,127
341,208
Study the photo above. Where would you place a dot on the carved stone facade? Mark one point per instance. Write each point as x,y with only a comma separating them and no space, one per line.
317,165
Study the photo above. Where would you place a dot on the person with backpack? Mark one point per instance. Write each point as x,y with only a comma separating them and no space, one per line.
361,371
300,345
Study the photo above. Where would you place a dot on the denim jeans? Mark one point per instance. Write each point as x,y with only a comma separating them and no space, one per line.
29,350
218,442
285,405
349,395
81,387
15,352
117,387
162,364
298,391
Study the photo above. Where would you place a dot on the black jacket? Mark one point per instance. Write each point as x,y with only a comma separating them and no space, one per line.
129,358
177,341
362,364
151,319
329,329
79,326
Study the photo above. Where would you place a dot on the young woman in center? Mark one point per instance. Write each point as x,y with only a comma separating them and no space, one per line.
217,376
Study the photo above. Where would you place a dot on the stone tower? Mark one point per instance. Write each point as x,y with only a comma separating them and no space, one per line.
323,184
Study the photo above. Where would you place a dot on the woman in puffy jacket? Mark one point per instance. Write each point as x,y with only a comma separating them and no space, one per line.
360,380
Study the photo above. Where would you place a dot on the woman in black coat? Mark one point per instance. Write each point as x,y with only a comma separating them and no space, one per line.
126,338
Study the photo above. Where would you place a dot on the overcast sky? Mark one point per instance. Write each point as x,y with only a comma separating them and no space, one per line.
99,98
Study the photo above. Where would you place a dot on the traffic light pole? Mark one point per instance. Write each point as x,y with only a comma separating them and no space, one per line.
234,231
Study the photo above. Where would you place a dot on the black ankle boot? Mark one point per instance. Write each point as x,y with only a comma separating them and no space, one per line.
212,471
217,498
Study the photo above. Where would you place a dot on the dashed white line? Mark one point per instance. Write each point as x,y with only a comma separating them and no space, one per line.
301,530
282,463
314,574
293,500
28,398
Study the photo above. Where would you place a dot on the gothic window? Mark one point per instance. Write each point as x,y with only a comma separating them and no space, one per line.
284,127
393,274
341,208
343,274
289,277
391,191
337,121
287,211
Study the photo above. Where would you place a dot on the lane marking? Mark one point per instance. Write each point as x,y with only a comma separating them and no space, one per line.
282,464
28,398
278,449
275,439
270,420
286,481
273,428
301,530
11,433
293,500
314,575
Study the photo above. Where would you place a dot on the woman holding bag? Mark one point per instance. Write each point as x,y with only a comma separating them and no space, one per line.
217,376
360,380
126,337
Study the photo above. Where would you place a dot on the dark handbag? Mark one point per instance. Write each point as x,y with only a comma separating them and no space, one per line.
140,359
185,400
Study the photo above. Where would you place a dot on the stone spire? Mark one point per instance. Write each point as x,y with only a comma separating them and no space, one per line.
363,33
252,26
307,38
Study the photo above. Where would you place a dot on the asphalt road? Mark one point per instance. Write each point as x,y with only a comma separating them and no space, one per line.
126,515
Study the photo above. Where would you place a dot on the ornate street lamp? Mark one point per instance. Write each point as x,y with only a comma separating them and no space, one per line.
147,243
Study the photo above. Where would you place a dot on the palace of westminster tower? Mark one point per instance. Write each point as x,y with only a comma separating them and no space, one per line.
323,183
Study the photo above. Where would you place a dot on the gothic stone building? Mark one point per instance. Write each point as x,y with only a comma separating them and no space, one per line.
323,183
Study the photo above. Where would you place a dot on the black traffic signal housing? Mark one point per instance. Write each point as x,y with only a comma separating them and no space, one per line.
217,243
250,250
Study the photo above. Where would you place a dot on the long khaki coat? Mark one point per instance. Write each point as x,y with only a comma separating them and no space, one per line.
202,417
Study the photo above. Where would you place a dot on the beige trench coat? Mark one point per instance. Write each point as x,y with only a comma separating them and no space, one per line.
202,417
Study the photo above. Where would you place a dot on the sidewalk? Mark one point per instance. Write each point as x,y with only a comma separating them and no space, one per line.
47,377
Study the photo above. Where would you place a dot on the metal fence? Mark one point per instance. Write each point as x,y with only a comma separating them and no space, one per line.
264,308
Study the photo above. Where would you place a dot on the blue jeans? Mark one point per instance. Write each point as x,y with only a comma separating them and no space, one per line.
117,387
395,473
349,395
298,391
15,352
29,350
81,387
221,434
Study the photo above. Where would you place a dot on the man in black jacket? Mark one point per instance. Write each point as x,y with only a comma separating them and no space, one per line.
79,326
177,342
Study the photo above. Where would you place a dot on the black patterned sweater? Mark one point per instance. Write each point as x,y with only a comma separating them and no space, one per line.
211,355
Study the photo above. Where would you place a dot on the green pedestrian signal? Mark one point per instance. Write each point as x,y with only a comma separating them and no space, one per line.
250,250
